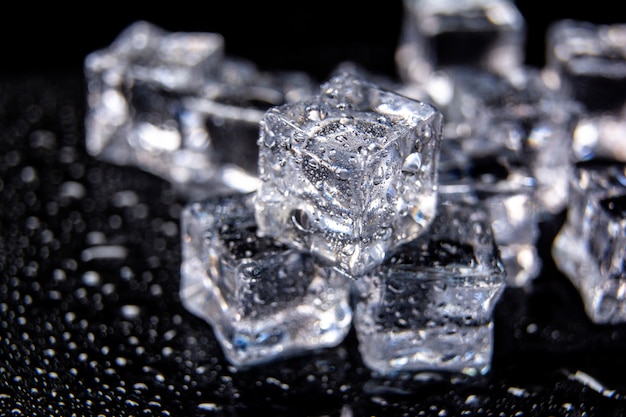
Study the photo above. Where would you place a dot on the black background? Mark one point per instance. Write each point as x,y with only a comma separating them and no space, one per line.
312,36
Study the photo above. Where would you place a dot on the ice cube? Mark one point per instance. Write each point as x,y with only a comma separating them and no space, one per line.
507,192
349,174
171,103
590,248
429,307
488,34
519,120
263,300
588,61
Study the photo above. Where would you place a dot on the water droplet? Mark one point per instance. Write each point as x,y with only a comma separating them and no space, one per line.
342,173
385,233
313,163
315,113
299,136
72,189
208,407
130,311
125,198
379,175
412,163
103,252
91,278
278,383
269,139
301,220
251,270
28,174
425,131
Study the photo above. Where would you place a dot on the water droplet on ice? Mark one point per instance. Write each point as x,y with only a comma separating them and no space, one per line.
412,163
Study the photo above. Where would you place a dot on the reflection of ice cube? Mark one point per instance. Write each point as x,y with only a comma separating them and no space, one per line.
430,305
489,34
348,174
507,193
173,105
263,300
588,62
590,248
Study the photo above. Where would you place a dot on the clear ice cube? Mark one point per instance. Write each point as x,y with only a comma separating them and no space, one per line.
172,104
588,62
507,193
590,248
263,300
520,120
488,34
349,174
429,307
506,140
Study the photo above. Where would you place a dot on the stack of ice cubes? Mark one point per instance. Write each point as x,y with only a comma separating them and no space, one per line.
327,217
347,228
401,210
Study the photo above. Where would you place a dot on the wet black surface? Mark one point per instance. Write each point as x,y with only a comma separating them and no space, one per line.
91,322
